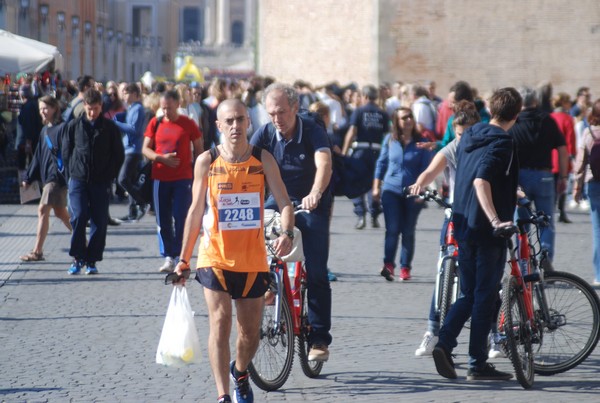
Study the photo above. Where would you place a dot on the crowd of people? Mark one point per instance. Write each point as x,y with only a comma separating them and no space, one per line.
213,149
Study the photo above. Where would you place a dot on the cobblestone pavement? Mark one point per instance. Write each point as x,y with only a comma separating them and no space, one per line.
93,339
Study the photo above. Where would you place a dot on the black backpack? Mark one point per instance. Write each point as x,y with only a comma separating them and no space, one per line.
350,176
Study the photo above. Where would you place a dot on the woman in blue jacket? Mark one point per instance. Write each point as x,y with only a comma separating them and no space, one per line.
399,164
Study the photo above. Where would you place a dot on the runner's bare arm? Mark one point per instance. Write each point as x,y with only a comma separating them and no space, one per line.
283,244
193,221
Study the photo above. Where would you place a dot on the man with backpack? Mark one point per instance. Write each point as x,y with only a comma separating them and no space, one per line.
303,153
536,135
368,125
75,108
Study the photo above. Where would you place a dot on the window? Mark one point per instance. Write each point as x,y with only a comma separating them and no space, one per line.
141,23
237,33
192,24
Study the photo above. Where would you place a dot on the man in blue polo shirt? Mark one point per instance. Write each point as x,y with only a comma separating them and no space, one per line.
368,124
302,151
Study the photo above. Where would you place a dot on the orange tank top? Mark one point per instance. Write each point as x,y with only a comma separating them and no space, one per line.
233,237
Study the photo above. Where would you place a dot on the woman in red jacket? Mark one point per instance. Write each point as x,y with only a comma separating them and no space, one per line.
561,103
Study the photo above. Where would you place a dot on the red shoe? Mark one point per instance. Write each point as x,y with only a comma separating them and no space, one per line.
404,274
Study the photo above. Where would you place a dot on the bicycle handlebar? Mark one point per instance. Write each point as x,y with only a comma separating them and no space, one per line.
506,232
538,218
428,195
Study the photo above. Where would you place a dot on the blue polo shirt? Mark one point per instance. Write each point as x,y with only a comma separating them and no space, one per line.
296,157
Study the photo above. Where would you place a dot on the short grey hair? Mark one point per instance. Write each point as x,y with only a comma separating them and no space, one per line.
370,92
288,90
529,96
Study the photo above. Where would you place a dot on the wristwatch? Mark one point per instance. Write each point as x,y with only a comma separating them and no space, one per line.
289,233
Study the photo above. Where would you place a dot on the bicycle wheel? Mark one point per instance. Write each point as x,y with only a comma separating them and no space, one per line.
272,363
573,330
518,332
312,369
448,277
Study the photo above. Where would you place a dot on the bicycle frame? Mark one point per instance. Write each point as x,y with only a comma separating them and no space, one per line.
279,270
449,250
518,266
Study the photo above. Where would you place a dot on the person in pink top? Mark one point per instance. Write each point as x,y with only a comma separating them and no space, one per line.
561,103
445,110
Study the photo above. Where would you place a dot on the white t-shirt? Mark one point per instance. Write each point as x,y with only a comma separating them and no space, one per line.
425,113
449,152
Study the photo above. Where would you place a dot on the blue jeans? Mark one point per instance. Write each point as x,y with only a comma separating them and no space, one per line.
540,189
480,269
172,199
365,202
315,241
401,216
88,201
593,191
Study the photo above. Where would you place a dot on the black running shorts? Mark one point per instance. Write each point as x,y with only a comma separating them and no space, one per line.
238,285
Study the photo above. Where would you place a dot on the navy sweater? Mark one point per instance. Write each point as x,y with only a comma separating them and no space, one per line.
486,152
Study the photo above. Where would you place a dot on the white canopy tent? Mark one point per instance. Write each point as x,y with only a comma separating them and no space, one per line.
23,55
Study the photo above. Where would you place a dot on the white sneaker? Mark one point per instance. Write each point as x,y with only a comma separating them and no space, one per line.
427,345
496,350
573,204
584,205
168,266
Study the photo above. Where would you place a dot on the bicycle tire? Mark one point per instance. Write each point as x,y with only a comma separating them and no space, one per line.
272,363
518,333
568,345
311,369
449,268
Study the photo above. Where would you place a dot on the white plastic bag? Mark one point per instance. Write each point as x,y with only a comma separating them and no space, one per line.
179,343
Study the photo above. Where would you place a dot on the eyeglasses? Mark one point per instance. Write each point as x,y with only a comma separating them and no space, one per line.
406,117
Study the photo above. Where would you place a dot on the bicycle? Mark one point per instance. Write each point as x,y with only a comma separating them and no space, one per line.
447,286
556,311
285,318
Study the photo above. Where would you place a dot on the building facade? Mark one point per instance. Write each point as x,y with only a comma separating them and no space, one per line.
488,43
122,39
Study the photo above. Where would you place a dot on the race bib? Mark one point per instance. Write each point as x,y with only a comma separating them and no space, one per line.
239,211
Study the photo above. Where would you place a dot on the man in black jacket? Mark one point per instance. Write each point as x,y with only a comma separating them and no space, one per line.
93,153
486,178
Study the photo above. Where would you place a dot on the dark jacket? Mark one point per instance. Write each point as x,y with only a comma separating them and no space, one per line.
536,135
92,153
30,123
43,166
486,152
296,159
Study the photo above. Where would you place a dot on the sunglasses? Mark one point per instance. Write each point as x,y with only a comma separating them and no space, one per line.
174,278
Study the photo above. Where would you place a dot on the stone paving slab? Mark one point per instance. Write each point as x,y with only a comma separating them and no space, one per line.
93,339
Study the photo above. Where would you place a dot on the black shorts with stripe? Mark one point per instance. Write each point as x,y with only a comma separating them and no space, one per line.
238,285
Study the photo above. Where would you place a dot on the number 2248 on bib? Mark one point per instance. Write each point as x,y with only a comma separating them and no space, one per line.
239,211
